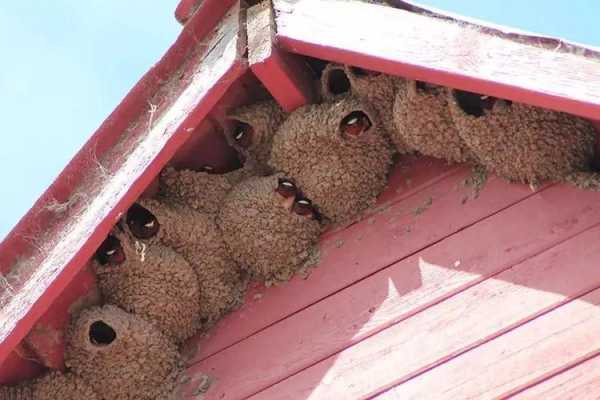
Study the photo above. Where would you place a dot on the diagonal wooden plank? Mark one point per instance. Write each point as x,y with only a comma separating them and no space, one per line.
428,347
395,232
533,352
444,52
400,291
216,67
580,382
287,76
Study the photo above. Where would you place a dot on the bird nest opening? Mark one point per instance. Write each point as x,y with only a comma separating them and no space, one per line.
101,334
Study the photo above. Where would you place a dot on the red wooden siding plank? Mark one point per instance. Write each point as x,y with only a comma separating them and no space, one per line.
532,353
395,232
580,382
498,308
216,69
443,52
286,76
400,291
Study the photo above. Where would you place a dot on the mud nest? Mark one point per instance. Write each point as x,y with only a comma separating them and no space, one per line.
201,191
53,386
337,154
252,132
523,143
153,282
121,356
374,88
198,239
423,122
269,233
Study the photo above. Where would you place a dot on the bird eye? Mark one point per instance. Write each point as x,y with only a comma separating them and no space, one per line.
243,135
355,124
141,222
110,252
207,168
304,208
286,188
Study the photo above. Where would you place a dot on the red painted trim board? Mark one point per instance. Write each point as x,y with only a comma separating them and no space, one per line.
401,291
393,41
580,382
132,175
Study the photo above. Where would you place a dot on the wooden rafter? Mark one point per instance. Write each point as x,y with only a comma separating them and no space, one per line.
439,51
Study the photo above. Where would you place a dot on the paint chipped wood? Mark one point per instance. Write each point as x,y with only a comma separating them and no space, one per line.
439,51
286,76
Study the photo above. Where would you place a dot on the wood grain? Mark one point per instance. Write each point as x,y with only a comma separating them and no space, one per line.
216,68
489,319
447,53
403,290
580,382
286,76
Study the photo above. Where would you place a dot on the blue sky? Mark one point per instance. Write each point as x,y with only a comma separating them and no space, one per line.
68,63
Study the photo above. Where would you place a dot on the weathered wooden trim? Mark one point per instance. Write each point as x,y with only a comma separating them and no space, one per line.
439,51
285,75
219,63
210,11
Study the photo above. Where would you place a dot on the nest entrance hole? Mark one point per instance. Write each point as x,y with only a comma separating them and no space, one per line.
101,334
337,82
475,104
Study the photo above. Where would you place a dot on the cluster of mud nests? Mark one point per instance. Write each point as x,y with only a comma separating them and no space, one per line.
177,262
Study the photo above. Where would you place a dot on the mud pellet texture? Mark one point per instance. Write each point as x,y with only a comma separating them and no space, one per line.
121,356
376,89
423,121
66,386
526,144
155,283
269,240
264,118
201,191
341,175
198,239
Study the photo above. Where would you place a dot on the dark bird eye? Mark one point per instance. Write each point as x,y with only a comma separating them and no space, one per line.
141,222
286,188
355,124
304,207
110,252
243,135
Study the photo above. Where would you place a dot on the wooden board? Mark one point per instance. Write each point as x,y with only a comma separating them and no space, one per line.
577,383
286,76
218,65
447,53
401,291
397,231
496,308
542,348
